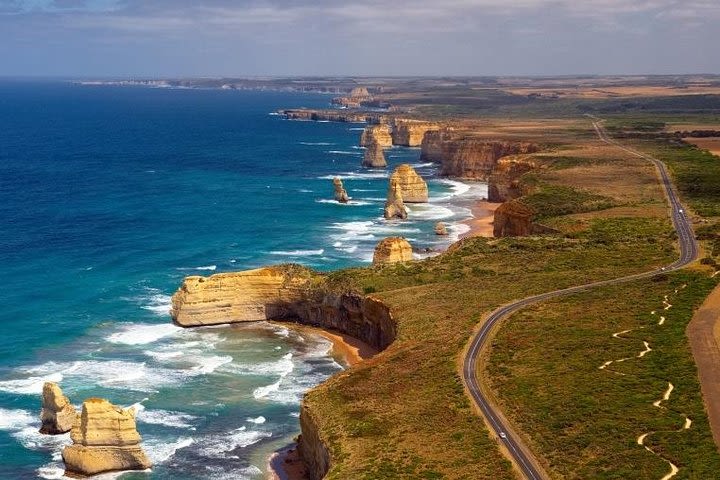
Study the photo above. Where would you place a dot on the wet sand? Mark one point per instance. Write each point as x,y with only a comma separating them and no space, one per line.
481,225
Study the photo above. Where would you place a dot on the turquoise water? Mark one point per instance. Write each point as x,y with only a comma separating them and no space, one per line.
109,196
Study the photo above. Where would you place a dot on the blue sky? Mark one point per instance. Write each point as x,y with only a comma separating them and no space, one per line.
366,37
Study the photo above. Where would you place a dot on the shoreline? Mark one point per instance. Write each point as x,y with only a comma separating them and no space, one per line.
481,225
286,463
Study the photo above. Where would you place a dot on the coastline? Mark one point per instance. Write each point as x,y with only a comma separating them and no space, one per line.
481,225
286,463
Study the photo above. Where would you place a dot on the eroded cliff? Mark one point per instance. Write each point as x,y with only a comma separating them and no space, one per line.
294,294
379,134
463,155
410,133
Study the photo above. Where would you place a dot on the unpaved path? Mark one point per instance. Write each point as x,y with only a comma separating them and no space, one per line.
704,334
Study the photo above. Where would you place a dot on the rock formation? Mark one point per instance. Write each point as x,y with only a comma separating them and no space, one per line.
374,157
410,133
462,155
57,414
359,92
440,229
394,205
392,250
376,133
105,439
355,99
340,193
250,295
413,187
513,219
504,181
333,116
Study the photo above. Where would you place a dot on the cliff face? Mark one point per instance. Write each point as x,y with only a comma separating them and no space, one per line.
379,134
206,301
513,219
410,133
374,156
504,181
251,295
413,187
463,156
392,250
311,447
104,439
333,116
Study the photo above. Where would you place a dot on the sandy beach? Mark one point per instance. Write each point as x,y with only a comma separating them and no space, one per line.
481,225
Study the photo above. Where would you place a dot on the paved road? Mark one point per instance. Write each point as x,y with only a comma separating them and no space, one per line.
521,454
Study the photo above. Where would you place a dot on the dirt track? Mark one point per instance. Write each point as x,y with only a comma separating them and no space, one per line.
704,334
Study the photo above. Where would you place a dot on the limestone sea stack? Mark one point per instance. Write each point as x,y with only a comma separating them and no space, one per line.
413,187
374,156
250,295
57,414
440,229
105,439
340,193
376,133
392,250
394,205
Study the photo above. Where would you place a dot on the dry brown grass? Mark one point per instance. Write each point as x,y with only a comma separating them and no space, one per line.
616,91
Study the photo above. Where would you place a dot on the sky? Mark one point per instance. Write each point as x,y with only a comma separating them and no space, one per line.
191,38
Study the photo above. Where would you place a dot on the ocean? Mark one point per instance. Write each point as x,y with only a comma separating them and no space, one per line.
110,195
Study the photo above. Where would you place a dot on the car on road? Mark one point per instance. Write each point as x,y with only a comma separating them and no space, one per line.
503,435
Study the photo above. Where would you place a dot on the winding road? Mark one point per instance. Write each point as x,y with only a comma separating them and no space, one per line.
520,453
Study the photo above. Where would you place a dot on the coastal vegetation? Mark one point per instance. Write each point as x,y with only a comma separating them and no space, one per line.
404,413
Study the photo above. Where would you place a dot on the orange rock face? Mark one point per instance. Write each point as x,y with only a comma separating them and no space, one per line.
392,250
413,187
410,133
463,156
340,193
57,414
105,439
394,205
374,156
376,133
513,219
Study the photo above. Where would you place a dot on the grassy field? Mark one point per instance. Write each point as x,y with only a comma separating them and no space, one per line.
404,413
584,421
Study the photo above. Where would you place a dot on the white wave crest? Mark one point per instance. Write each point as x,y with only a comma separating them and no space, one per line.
141,334
297,253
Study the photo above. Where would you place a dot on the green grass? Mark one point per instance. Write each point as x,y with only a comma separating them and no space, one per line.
584,421
404,414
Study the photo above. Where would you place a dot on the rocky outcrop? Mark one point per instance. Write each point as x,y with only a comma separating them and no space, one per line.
394,205
273,293
311,447
374,157
357,97
376,133
340,193
333,116
413,187
392,250
105,439
463,156
440,229
57,414
513,219
251,295
410,133
504,182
